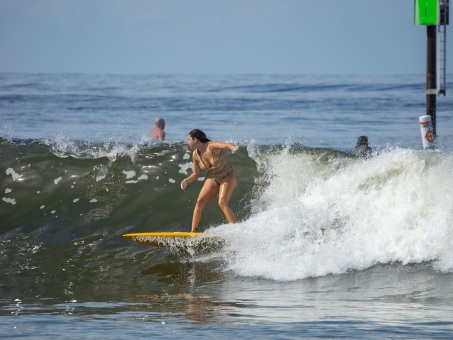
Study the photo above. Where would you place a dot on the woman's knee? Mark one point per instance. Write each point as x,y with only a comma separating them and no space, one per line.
223,204
202,202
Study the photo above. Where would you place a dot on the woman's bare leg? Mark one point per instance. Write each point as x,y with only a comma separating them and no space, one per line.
208,191
226,191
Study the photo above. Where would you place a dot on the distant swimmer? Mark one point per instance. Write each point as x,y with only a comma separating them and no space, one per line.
158,132
362,150
221,179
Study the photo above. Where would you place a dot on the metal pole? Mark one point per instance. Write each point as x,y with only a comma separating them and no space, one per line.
431,83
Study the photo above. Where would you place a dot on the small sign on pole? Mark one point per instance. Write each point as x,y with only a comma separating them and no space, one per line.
427,12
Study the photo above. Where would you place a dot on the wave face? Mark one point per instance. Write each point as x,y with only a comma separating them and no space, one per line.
67,185
302,212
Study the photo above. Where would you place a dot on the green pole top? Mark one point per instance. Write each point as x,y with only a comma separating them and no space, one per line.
427,12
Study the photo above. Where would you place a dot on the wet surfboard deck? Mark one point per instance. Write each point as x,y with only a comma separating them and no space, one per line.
174,239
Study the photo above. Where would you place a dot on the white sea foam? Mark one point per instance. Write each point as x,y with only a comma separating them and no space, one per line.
14,175
129,174
184,168
101,174
9,200
319,217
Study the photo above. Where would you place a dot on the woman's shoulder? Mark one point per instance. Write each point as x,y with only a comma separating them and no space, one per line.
214,147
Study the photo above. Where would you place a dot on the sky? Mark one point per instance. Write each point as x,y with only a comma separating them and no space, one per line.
363,37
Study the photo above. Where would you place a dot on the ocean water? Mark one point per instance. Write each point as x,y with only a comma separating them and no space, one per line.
326,245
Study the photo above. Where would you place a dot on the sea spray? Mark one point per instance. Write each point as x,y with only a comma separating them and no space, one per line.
347,215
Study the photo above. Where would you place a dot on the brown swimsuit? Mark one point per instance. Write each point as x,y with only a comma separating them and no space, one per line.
219,170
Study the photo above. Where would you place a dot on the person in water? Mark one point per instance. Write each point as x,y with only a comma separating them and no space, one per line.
221,179
362,150
158,132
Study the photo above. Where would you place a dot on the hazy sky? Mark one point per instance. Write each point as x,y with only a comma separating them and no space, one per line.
213,37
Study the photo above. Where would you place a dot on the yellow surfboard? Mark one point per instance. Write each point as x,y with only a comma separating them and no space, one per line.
174,239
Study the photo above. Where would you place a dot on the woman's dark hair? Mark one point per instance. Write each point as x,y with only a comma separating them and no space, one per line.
200,135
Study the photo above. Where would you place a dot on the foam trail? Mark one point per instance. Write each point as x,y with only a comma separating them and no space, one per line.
317,218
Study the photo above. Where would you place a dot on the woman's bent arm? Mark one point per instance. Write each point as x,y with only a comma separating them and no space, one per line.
223,146
194,175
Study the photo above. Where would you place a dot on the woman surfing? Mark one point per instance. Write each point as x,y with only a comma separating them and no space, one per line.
221,179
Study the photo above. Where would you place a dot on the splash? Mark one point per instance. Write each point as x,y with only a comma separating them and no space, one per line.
322,214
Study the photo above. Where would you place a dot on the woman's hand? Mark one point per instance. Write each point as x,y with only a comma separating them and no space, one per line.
184,184
234,148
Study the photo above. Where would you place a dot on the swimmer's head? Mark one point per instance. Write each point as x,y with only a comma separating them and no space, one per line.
362,140
160,122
